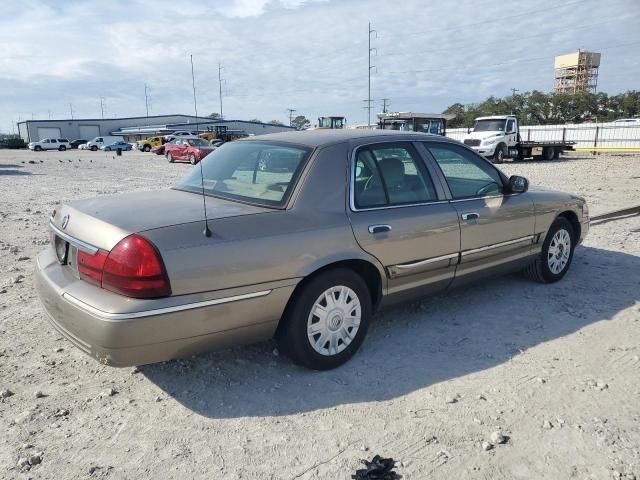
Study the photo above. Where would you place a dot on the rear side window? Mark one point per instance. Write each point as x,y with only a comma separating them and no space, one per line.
390,174
63,140
467,175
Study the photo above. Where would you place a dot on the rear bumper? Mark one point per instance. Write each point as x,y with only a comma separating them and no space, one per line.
159,332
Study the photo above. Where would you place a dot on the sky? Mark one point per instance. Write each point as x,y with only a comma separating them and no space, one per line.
308,55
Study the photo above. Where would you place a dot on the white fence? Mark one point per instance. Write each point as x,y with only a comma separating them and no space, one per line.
588,136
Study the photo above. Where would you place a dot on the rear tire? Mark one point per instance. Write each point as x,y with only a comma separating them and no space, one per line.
553,262
94,148
556,153
170,158
320,333
548,153
147,148
62,148
37,148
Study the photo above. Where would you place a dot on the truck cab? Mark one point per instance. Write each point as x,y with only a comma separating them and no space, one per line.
496,137
433,123
333,122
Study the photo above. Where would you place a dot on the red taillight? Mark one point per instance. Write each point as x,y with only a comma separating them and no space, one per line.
132,268
90,266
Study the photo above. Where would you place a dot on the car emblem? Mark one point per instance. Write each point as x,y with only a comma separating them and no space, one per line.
65,221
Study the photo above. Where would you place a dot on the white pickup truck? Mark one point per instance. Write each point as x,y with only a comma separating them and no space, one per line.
498,137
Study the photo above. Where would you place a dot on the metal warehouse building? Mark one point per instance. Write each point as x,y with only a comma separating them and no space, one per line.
134,128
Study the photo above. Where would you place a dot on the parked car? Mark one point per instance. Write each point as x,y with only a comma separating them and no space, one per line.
61,144
159,150
77,143
366,218
99,142
83,146
148,143
181,134
191,149
119,145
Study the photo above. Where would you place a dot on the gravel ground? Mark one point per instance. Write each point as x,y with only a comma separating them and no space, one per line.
554,368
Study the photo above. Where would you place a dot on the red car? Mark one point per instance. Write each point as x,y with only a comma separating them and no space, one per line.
190,149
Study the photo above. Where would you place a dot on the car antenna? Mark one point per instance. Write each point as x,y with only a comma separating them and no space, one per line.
206,232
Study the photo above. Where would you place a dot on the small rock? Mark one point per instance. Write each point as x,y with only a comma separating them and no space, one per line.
23,258
93,469
486,446
135,370
497,438
601,386
541,380
35,459
364,448
6,393
547,425
61,412
158,399
275,352
17,279
23,463
39,394
478,421
26,446
452,399
481,397
59,349
110,392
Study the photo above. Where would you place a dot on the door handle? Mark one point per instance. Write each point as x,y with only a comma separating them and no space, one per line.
470,216
373,229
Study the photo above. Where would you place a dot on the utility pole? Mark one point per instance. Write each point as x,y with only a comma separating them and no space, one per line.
102,106
514,91
146,98
291,112
220,68
384,105
71,110
369,75
49,114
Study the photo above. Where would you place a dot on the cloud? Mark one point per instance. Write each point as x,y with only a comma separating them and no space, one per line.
308,55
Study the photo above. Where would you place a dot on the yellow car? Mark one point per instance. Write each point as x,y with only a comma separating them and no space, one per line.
147,144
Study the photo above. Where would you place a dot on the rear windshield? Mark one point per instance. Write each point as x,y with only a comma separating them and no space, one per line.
198,142
254,172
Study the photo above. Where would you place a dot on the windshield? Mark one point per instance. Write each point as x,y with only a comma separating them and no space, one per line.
254,172
198,142
489,125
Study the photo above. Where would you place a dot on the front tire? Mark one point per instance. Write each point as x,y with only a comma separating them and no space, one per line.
37,148
327,320
192,159
94,148
548,153
557,252
499,154
170,158
107,149
147,148
62,148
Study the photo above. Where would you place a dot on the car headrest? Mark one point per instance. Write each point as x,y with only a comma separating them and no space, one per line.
392,170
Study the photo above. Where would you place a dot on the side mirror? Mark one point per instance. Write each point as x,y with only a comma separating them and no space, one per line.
518,184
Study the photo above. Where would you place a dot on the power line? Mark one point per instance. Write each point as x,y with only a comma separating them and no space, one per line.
291,112
368,107
220,80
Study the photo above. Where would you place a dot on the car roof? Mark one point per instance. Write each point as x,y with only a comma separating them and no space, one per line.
321,138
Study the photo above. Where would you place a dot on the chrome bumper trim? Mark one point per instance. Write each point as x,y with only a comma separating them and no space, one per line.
79,244
158,311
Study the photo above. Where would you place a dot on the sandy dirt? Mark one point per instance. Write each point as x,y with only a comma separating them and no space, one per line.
554,368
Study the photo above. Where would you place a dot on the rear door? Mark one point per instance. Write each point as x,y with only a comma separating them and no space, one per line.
400,216
496,227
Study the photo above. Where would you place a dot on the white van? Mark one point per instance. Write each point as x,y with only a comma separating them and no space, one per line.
98,142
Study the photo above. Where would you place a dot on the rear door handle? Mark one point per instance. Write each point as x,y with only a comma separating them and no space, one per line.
470,216
373,229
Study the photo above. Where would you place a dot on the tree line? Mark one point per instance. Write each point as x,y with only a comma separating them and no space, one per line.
539,108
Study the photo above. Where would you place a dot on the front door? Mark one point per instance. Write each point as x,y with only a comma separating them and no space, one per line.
399,217
496,227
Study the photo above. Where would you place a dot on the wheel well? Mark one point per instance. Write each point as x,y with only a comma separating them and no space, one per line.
366,270
575,223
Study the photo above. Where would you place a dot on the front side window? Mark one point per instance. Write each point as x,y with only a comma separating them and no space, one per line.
511,126
255,172
467,175
390,174
53,140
